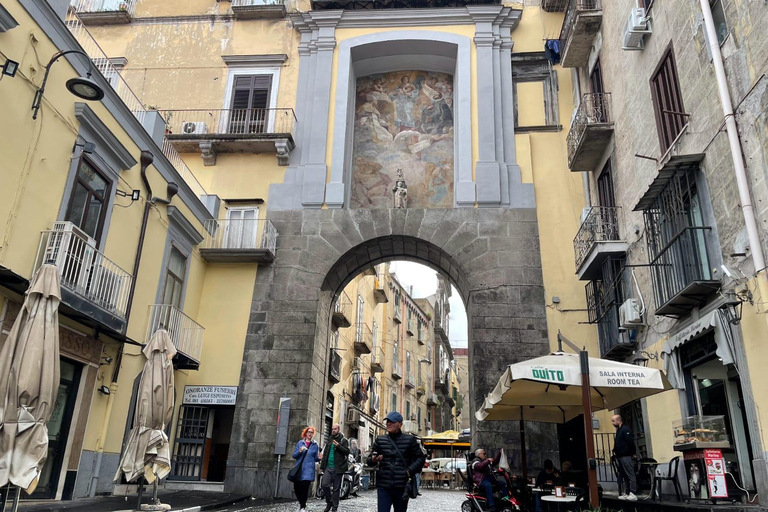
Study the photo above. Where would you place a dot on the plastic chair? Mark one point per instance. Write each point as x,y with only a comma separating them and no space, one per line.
671,476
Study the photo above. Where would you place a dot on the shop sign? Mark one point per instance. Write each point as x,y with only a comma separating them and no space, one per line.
209,395
715,464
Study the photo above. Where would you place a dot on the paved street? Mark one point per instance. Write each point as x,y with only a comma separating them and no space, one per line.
448,501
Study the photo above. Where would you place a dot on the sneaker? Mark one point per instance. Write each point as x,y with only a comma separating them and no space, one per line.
622,496
631,497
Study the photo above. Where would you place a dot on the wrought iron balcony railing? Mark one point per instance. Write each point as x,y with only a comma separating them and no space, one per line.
604,298
377,360
600,225
363,339
229,240
334,366
595,109
186,334
121,11
410,379
84,270
571,26
237,123
397,369
342,311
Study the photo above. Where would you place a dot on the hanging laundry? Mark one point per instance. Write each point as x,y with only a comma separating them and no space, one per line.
552,50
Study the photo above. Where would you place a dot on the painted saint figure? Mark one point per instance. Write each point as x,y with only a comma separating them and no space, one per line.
401,191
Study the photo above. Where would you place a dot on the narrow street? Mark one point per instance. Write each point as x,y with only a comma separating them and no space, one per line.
432,500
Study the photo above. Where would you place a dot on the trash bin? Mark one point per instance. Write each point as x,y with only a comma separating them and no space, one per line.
365,481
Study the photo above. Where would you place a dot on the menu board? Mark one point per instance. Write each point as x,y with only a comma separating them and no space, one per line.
715,467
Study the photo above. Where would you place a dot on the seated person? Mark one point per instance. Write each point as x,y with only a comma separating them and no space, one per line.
568,476
482,475
547,478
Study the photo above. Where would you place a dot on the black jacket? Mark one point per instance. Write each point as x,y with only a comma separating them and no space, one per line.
624,445
340,457
392,474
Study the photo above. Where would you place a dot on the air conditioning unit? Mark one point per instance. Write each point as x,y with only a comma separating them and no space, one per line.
353,416
72,251
638,25
196,128
630,314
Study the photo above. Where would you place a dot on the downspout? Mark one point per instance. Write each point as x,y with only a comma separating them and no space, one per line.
146,160
747,208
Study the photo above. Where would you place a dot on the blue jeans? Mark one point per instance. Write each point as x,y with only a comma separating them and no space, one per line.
389,498
488,483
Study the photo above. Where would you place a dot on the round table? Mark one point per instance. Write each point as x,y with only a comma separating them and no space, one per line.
551,498
652,469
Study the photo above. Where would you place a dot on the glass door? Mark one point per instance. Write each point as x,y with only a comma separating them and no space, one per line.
240,232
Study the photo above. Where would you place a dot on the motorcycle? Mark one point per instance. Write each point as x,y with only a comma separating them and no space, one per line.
477,501
350,482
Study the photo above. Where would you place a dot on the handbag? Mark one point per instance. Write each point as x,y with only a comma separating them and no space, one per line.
412,487
295,473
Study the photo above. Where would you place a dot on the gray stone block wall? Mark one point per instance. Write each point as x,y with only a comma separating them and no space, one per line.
109,463
491,255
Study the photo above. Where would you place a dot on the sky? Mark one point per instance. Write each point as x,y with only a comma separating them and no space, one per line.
424,282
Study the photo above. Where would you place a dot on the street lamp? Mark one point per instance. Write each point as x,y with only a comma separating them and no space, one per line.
84,88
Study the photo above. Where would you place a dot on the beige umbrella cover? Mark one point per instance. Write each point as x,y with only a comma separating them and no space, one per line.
29,382
148,451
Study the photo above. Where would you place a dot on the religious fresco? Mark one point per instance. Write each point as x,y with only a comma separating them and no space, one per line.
403,121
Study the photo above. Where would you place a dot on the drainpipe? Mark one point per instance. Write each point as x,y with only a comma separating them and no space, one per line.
738,158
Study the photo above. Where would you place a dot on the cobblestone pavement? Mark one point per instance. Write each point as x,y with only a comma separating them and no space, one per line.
429,501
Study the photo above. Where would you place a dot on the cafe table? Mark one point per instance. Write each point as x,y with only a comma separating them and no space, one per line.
558,501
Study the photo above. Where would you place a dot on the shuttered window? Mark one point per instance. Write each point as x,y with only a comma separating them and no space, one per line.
667,100
251,91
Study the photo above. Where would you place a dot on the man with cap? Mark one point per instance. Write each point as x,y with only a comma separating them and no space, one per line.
393,475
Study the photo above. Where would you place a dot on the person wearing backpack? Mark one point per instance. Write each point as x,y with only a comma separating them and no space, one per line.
307,453
399,458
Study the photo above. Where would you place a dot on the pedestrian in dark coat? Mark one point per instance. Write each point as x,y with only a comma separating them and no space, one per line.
624,449
334,465
308,445
393,475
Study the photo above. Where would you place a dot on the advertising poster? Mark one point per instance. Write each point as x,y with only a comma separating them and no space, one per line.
715,467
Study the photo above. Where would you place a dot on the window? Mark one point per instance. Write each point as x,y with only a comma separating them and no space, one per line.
418,416
718,16
534,80
250,99
394,401
241,228
605,196
647,4
86,208
375,336
336,339
360,320
408,364
408,410
667,100
174,278
395,350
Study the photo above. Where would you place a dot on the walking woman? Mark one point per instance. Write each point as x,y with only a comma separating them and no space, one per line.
307,453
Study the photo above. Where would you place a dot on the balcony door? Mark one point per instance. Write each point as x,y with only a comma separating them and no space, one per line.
87,205
250,99
597,89
241,228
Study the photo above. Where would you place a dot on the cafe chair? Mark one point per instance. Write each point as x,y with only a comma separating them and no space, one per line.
671,476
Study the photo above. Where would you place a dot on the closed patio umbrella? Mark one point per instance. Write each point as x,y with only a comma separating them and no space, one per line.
147,452
29,382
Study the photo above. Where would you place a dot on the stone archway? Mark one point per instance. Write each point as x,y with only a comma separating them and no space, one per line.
491,255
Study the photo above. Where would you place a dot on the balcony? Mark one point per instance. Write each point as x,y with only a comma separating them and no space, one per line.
580,26
597,240
377,360
104,12
334,367
591,130
604,297
363,339
342,311
379,293
258,9
185,333
554,5
410,327
91,284
366,5
410,380
681,274
420,335
239,241
210,132
432,399
398,315
397,370
441,383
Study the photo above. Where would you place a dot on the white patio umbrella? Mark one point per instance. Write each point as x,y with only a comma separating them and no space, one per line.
148,452
561,386
29,382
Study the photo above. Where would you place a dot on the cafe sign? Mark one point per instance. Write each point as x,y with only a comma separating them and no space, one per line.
209,395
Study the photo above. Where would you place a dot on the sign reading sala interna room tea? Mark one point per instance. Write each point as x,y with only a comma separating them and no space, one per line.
210,395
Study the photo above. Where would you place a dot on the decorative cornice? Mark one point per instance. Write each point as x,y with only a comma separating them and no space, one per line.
105,139
276,59
7,22
180,222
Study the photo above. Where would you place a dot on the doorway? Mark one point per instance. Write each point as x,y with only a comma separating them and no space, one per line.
202,441
58,430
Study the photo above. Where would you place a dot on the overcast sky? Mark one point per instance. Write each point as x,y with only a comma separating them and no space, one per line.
424,282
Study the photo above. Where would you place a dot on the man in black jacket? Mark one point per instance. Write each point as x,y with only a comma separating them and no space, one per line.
393,475
334,465
624,450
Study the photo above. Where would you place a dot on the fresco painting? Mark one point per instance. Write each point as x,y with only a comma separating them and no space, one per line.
403,120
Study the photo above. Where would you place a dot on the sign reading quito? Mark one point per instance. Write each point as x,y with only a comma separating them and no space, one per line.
209,395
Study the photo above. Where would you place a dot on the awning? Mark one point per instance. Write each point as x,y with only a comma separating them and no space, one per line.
694,330
666,172
446,445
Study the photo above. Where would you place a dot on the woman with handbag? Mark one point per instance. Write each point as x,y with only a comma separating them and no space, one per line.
302,474
400,458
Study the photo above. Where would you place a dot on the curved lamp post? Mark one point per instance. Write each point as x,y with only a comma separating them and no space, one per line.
84,88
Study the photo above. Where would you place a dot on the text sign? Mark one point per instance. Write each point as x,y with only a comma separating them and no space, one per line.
209,395
283,414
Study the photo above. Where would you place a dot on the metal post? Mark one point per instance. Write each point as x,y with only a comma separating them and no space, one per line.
586,398
155,501
140,495
277,474
523,448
